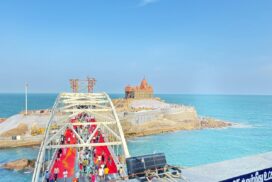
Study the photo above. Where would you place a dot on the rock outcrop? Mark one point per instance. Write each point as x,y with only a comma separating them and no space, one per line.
21,129
213,123
154,116
169,124
21,164
2,120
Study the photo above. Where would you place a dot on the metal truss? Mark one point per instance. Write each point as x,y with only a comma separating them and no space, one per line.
67,107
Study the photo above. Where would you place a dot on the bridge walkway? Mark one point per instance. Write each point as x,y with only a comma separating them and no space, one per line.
68,158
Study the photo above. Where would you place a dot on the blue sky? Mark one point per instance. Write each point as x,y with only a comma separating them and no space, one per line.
180,46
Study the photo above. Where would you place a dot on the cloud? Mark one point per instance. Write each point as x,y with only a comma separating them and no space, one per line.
147,2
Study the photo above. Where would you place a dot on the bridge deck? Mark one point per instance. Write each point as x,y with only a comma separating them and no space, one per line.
67,158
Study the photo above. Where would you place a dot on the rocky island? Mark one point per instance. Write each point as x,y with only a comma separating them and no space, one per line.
140,114
152,116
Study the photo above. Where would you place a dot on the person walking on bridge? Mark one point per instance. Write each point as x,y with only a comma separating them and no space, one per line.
56,172
103,157
106,172
65,174
47,176
101,174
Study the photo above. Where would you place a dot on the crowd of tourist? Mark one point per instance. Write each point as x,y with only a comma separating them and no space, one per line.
94,163
94,166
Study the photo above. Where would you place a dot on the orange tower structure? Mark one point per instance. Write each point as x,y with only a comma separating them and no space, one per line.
144,90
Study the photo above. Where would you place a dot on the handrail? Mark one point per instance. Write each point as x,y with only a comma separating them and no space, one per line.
38,162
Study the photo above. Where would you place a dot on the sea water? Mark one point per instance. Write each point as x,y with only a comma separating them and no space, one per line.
251,134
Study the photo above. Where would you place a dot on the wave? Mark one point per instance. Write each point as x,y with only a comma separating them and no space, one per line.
28,171
241,125
139,140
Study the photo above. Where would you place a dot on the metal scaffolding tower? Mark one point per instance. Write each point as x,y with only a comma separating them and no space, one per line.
81,86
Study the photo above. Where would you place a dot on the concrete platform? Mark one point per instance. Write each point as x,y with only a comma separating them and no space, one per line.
236,170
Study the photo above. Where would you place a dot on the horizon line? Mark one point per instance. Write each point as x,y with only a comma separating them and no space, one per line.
221,94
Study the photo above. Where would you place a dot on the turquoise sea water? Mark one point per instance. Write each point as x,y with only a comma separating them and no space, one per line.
252,135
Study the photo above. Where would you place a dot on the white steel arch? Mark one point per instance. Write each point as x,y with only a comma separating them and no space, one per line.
66,107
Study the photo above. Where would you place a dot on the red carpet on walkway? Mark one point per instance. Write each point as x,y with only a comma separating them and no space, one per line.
99,150
67,159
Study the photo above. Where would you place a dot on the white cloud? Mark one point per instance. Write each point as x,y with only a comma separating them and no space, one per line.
147,2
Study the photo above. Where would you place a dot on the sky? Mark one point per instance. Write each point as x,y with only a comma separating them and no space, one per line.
179,46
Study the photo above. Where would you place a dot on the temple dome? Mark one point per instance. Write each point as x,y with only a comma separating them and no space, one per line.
144,84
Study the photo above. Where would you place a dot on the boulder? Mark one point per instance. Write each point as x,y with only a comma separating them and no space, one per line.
20,164
213,123
2,120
